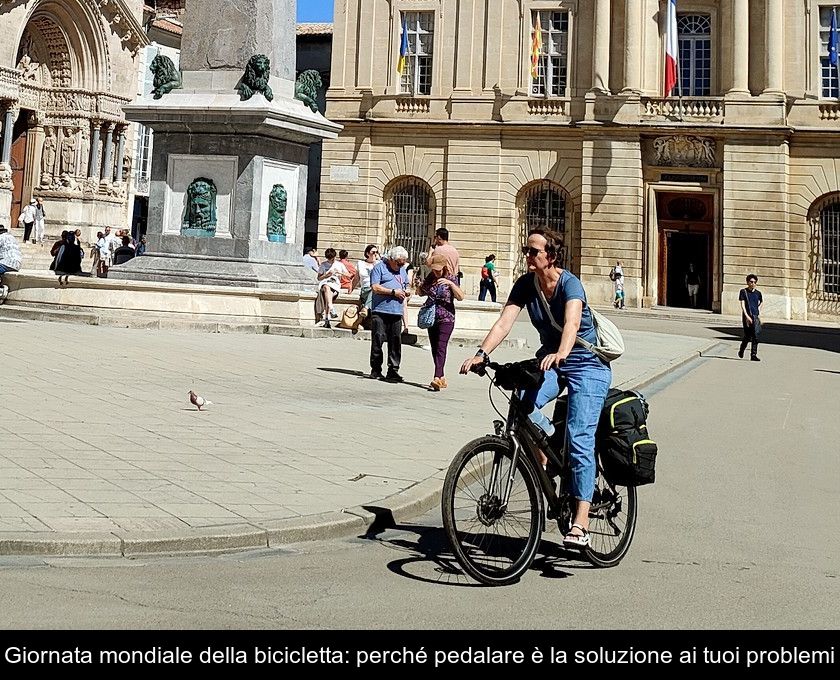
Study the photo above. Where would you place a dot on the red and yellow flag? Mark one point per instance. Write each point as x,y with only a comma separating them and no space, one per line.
536,48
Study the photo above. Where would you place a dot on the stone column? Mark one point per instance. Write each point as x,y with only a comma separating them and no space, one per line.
601,65
8,131
108,161
32,167
775,47
740,46
93,164
632,46
120,153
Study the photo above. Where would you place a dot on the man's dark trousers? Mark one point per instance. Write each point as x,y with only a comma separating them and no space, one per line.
750,336
386,328
27,230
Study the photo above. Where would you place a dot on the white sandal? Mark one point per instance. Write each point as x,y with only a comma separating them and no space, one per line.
574,541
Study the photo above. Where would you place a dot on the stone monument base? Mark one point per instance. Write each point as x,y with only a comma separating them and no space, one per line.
216,271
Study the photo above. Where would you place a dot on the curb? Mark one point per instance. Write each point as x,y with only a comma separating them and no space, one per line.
360,520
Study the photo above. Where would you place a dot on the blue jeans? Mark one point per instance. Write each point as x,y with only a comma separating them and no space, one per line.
588,381
4,269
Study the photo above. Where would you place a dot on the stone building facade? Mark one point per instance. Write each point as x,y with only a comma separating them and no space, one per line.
66,69
738,171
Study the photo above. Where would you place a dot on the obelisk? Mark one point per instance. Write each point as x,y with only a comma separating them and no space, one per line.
231,147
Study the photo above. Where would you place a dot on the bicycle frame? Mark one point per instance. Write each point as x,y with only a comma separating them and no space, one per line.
522,433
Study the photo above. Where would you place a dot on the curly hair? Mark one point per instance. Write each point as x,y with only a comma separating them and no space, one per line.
257,74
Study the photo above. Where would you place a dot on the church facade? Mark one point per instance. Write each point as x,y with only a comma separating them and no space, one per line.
66,69
491,118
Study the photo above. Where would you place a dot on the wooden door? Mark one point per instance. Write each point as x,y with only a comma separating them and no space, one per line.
18,166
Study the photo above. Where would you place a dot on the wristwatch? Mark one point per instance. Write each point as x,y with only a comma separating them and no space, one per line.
393,292
481,353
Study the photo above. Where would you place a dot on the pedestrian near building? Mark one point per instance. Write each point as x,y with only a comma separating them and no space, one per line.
27,219
363,269
141,247
40,215
388,282
409,286
125,252
442,290
751,301
488,279
68,261
617,277
104,248
348,282
692,285
442,246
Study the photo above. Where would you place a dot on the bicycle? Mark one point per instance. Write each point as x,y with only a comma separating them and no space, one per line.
495,490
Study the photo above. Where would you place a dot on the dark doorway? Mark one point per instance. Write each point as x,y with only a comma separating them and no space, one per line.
140,218
19,139
683,250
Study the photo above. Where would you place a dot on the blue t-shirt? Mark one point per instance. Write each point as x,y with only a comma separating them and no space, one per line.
753,300
524,294
383,275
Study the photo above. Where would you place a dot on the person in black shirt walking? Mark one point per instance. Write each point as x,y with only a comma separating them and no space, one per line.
692,284
751,301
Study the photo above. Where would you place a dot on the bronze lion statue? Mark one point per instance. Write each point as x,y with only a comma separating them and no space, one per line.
167,77
306,88
257,73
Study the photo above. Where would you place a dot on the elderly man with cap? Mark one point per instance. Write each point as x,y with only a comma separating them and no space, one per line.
388,281
27,217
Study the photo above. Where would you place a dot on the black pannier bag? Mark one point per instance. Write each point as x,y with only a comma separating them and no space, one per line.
628,455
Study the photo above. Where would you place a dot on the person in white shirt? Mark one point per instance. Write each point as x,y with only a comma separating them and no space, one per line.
329,286
617,277
40,214
104,253
27,218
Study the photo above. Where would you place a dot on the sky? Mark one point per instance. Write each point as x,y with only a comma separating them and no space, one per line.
315,10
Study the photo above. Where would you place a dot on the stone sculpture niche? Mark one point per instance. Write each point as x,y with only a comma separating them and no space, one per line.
200,215
277,203
257,74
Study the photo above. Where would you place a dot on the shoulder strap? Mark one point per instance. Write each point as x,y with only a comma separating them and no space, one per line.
578,340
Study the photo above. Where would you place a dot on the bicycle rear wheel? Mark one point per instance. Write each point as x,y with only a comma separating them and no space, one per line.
612,523
494,543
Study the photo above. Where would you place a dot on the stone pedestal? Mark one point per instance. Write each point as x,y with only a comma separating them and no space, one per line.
234,152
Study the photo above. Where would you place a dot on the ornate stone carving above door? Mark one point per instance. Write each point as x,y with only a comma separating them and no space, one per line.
686,151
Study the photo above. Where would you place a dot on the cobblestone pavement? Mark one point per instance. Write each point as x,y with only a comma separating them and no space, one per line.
97,434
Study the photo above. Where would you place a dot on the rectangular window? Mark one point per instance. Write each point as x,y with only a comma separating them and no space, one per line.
417,74
553,65
828,73
694,33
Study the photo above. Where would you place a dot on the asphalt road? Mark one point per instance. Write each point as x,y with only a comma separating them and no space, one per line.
740,531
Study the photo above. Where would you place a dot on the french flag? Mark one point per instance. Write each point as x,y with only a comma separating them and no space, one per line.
671,48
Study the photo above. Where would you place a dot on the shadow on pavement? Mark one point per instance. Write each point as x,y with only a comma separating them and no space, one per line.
790,336
824,370
362,374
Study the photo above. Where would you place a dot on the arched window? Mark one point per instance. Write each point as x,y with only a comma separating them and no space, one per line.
826,250
695,45
541,204
410,205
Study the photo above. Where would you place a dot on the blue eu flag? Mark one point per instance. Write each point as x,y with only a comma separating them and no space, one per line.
832,39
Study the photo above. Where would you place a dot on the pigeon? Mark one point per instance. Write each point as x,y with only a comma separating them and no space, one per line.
195,400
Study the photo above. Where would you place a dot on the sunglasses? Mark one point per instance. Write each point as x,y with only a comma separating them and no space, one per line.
531,252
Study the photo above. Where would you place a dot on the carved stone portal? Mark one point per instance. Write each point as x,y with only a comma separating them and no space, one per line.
684,151
200,215
277,202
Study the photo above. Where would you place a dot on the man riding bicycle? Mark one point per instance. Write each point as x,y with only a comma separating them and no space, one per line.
556,303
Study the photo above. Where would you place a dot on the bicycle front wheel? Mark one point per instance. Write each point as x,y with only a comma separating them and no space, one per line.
495,542
612,523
